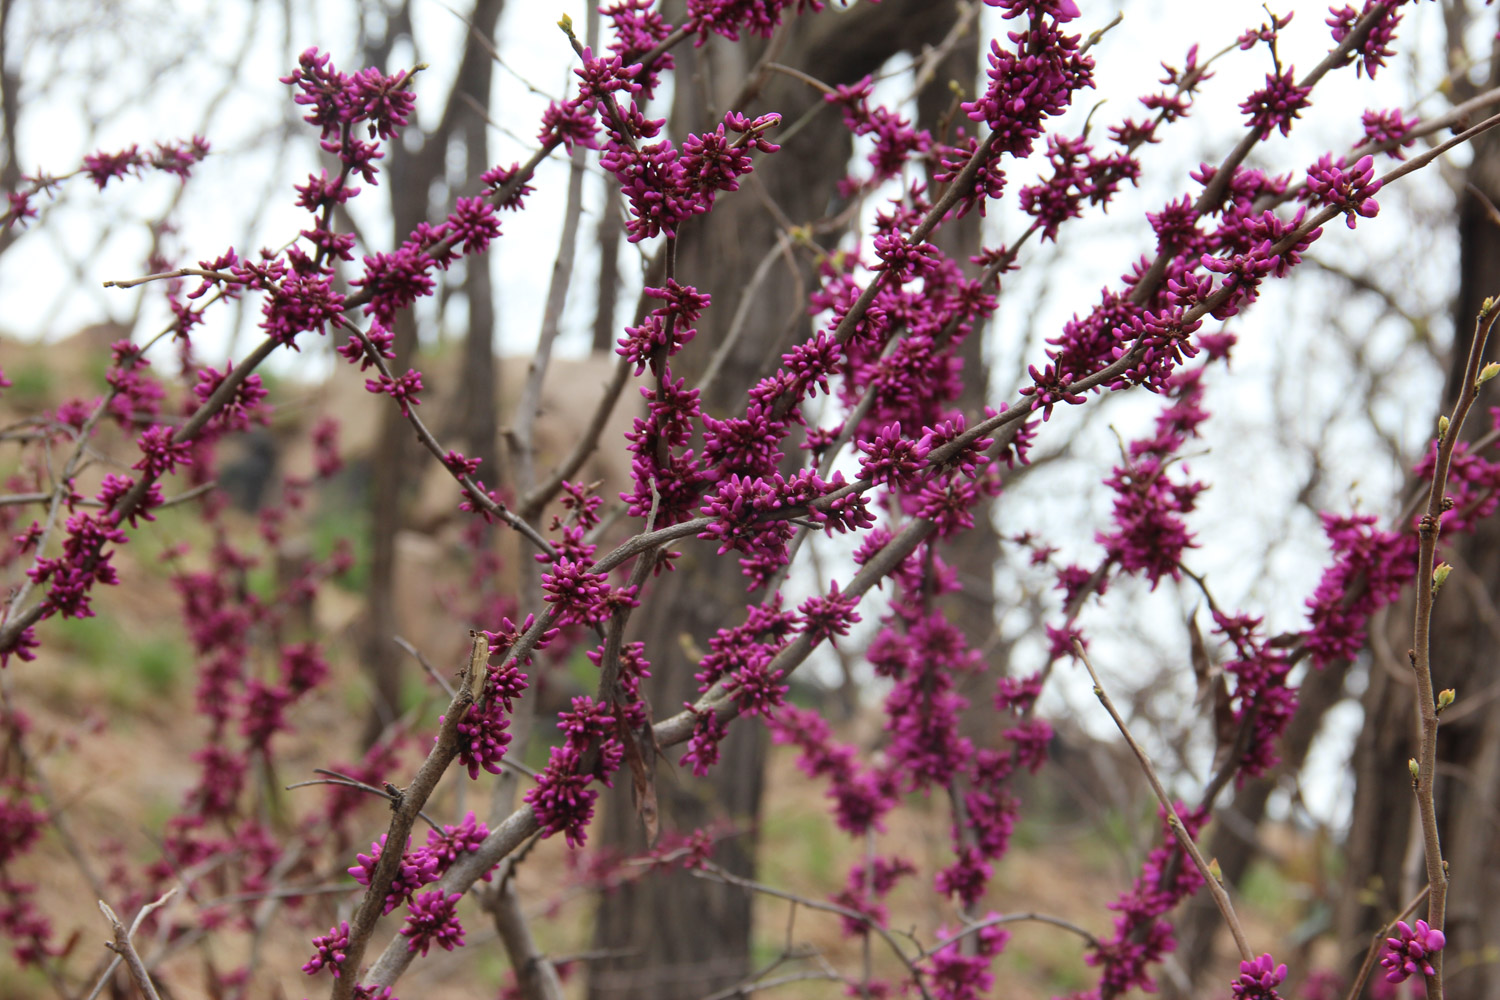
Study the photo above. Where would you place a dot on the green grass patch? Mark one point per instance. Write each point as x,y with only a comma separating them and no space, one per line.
798,848
94,641
137,666
348,523
1264,888
1046,956
31,386
158,662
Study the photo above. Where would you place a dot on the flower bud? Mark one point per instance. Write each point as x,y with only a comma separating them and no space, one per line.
1414,768
1442,427
1486,373
1445,698
1440,576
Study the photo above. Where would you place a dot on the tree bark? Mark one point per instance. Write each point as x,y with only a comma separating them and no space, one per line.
679,937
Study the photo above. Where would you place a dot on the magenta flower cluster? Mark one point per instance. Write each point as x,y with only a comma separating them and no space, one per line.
562,799
1141,935
416,869
1258,979
1409,953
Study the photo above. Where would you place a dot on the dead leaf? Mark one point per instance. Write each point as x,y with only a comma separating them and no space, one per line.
642,760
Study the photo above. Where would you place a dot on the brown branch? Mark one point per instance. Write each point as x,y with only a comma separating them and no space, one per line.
412,798
1424,774
125,951
536,975
1185,839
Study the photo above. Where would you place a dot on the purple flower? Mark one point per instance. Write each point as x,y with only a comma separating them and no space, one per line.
1033,82
890,458
957,975
1389,126
161,455
827,616
903,260
381,101
304,302
415,870
1258,979
496,178
1407,954
114,488
570,123
581,596
482,737
403,389
730,17
320,191
265,707
473,222
1376,48
703,746
104,167
1352,189
444,847
431,919
242,407
20,211
394,281
328,950
561,798
967,878
1275,105
322,88
1368,571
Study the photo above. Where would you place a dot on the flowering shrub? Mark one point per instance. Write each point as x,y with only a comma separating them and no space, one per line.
891,315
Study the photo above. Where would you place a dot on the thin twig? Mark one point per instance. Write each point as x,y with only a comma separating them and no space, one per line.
1424,777
1011,918
335,778
432,672
125,951
717,874
1215,887
413,797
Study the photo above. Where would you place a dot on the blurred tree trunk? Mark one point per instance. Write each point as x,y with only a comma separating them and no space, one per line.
1385,851
10,113
680,937
609,231
410,177
479,417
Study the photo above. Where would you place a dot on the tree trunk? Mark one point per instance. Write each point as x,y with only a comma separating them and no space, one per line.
409,179
681,937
